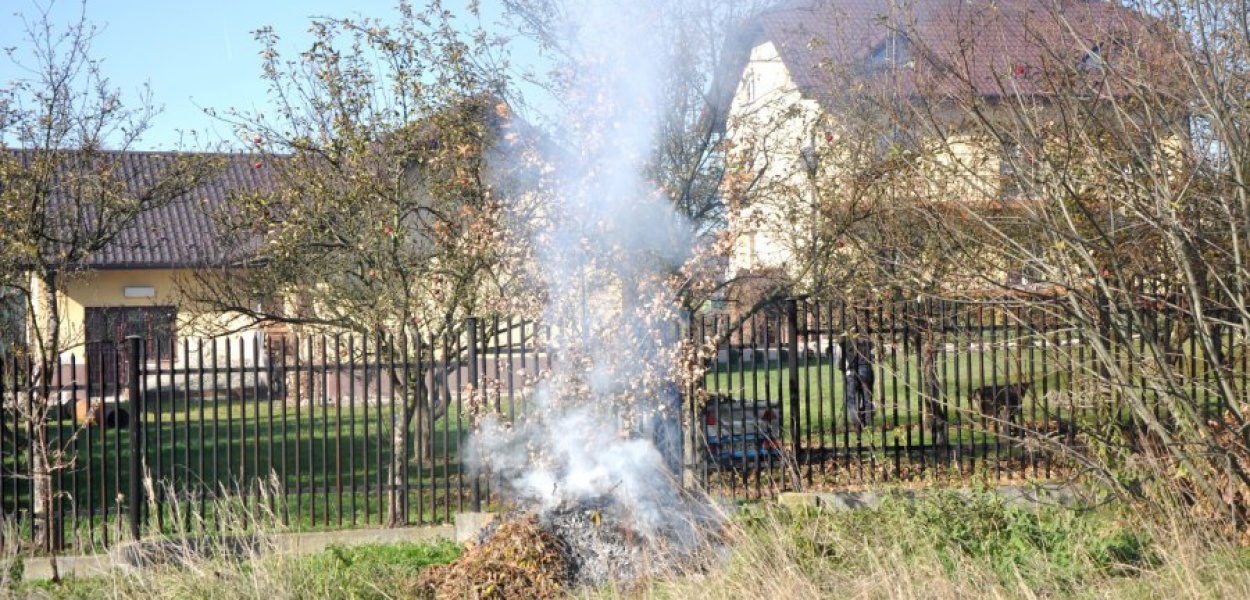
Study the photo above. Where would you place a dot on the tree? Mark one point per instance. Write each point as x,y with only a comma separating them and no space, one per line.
403,184
66,194
1119,140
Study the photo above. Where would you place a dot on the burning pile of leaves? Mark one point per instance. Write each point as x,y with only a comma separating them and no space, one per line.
517,559
524,555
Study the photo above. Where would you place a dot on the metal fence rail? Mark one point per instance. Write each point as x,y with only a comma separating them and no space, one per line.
323,431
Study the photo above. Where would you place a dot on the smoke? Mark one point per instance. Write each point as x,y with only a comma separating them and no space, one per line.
605,424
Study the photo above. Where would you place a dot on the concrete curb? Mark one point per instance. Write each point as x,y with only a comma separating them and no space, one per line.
1012,495
146,552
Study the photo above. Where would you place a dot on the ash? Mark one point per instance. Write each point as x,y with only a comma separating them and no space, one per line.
599,546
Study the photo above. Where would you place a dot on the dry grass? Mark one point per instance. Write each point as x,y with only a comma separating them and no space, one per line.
950,548
945,546
233,557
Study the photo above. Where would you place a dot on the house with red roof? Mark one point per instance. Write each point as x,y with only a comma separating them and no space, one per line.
137,284
813,89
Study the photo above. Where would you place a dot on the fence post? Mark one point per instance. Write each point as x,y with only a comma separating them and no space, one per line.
136,436
792,364
475,500
691,441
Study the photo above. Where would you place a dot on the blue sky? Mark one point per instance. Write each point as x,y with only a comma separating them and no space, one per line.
195,54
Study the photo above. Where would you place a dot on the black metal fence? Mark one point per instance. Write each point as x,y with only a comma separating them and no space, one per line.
313,431
326,431
825,394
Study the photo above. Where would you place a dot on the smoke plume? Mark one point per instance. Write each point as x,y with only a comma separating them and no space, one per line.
605,424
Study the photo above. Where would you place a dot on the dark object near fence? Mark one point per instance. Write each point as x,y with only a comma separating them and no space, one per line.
740,430
1004,402
858,369
111,416
116,418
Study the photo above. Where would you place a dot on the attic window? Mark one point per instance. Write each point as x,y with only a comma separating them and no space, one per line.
894,51
1093,59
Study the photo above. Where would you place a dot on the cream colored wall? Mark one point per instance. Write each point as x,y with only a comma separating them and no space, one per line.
963,168
105,288
770,123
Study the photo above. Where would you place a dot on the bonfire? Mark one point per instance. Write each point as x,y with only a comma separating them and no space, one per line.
518,560
527,554
594,500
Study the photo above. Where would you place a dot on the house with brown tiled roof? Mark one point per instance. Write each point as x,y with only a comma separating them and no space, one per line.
812,84
137,284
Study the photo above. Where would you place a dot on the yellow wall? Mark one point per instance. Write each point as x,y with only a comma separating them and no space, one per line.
105,288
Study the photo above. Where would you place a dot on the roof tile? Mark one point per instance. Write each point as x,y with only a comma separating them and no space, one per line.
983,41
184,232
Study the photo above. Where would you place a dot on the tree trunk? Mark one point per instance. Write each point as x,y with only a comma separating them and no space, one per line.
49,330
398,497
416,409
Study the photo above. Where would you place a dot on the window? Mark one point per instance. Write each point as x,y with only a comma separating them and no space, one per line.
12,319
111,325
895,51
1209,148
1025,274
807,155
1093,59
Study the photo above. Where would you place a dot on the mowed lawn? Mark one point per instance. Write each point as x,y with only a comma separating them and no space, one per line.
320,466
1062,386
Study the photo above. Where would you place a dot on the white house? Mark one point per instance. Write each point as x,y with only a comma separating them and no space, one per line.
811,85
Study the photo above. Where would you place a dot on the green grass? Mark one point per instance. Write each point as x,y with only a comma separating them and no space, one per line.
366,572
900,413
1059,376
327,463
